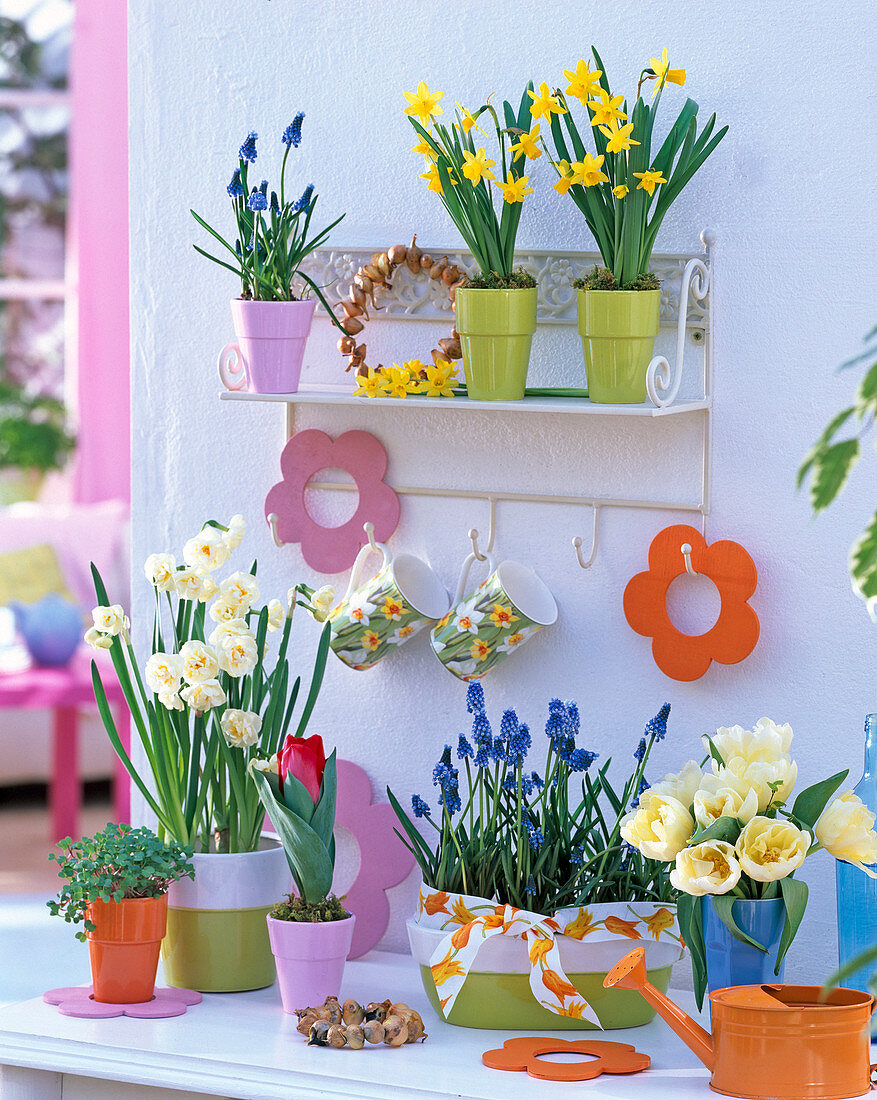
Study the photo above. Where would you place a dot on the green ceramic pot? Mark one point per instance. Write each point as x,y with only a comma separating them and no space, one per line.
618,330
217,935
496,330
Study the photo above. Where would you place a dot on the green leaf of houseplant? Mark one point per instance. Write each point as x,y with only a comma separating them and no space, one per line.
863,561
834,425
724,828
831,469
688,911
812,801
795,894
724,905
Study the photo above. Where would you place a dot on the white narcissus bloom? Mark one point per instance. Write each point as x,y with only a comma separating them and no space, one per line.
276,615
713,802
225,629
199,662
769,849
163,671
271,765
209,587
680,785
707,868
240,590
846,830
238,654
660,828
159,570
97,640
208,549
110,620
203,696
240,727
322,602
170,699
189,582
224,611
237,528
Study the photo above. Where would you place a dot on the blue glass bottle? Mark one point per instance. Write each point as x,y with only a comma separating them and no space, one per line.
856,892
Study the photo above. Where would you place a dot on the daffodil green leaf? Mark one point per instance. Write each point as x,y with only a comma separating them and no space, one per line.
795,894
724,906
810,803
831,471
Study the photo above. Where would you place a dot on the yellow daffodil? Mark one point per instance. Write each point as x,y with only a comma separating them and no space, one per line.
588,171
544,103
440,379
620,191
649,180
397,381
666,75
567,177
619,137
468,120
514,190
369,385
423,104
477,166
526,145
582,82
606,108
435,183
424,148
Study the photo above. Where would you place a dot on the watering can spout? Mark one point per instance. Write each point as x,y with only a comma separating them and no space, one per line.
630,973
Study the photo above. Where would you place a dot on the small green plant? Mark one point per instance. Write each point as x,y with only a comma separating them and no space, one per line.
517,280
310,912
601,278
116,864
33,430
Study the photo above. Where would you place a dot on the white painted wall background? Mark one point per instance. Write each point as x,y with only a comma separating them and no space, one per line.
790,196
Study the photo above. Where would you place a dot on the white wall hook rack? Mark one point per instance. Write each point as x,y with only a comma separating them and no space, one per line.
577,542
686,553
473,536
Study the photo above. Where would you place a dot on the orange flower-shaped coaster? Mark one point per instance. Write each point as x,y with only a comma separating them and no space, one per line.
523,1055
730,568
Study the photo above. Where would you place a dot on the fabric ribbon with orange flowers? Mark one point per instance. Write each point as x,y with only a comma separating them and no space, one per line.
471,921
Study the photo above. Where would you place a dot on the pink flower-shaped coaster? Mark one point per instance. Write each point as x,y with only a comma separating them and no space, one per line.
77,1000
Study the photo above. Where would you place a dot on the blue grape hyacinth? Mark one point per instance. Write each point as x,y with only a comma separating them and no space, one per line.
247,151
292,133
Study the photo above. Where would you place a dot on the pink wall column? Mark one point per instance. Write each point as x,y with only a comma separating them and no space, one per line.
98,349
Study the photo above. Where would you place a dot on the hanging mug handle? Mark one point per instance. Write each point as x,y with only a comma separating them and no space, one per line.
232,369
464,574
358,564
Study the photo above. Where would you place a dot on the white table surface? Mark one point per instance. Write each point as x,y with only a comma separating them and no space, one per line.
242,1045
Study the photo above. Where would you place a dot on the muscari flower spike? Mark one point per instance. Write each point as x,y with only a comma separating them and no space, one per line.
644,785
442,769
247,151
257,202
640,750
475,698
235,188
292,133
464,749
657,726
420,808
577,856
302,203
275,205
581,759
482,756
482,733
535,837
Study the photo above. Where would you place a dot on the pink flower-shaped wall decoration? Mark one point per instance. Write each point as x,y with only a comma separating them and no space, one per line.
731,569
332,549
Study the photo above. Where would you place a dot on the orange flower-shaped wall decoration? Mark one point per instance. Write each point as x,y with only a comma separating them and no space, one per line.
731,569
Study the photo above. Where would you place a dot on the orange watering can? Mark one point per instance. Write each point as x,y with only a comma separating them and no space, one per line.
771,1042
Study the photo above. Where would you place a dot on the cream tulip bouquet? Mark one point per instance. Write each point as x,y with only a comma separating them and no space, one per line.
730,832
210,699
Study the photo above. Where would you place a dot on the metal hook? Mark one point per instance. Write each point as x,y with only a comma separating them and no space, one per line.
272,518
577,542
473,535
686,553
369,529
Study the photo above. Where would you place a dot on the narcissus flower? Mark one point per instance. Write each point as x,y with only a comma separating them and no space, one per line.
666,75
467,119
424,148
619,137
397,382
423,104
588,171
544,103
369,385
514,190
567,177
582,82
620,191
440,378
477,166
526,145
606,108
648,181
435,183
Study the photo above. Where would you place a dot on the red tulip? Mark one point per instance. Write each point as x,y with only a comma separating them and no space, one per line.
305,759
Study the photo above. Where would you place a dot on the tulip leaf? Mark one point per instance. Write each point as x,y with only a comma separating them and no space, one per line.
723,828
295,797
714,752
323,819
724,906
812,801
690,916
795,894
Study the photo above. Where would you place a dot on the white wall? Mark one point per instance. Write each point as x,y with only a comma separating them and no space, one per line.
790,196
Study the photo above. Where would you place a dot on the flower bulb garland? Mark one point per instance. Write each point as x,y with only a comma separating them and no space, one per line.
729,833
209,700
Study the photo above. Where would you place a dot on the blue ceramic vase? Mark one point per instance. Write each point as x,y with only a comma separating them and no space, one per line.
51,629
729,961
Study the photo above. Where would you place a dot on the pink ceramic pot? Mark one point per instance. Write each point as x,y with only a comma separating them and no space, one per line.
310,959
271,342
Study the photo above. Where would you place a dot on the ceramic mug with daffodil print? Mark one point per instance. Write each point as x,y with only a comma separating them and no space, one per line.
494,620
378,616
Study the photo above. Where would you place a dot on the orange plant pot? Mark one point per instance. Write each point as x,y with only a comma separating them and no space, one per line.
124,948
